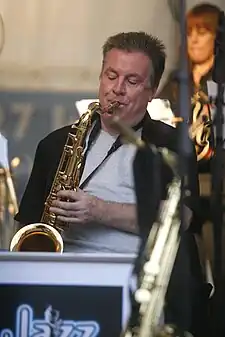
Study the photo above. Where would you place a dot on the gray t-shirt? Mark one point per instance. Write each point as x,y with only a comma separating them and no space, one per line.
112,182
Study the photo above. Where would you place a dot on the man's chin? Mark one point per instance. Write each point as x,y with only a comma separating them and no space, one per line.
108,117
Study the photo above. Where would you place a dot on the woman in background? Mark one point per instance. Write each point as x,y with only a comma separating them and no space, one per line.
202,24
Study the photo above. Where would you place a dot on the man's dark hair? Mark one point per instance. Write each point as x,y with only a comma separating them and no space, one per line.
141,42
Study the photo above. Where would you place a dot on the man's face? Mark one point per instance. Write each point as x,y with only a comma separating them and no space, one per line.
125,78
200,44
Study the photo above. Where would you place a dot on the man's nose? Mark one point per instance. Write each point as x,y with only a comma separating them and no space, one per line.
119,87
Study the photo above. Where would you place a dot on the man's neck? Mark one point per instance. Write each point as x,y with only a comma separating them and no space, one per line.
107,127
199,70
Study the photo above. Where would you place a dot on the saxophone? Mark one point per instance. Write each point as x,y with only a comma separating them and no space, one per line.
46,235
200,129
159,255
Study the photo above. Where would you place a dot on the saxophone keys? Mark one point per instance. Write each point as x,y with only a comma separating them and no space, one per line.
142,296
151,268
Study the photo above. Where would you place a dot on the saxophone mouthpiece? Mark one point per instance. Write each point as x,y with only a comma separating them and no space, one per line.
110,108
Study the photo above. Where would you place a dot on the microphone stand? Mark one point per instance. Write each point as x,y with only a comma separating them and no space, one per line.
185,148
218,76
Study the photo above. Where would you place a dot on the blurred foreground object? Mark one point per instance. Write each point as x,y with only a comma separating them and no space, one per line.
8,199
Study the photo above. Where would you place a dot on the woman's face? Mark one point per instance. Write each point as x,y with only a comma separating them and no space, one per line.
200,42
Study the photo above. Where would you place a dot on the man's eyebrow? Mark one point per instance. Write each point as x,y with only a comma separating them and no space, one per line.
110,69
134,75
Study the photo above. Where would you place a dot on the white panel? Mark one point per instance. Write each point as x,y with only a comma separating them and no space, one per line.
68,269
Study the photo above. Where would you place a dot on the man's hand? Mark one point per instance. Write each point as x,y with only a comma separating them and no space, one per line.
79,207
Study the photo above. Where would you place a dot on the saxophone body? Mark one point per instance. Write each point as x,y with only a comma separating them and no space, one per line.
46,235
159,256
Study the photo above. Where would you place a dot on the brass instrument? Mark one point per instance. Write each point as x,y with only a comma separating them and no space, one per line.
200,129
200,126
46,235
8,198
159,255
8,207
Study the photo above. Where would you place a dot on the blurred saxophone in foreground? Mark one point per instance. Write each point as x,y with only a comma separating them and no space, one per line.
159,254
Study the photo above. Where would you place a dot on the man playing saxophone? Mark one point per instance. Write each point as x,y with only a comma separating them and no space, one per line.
101,213
131,70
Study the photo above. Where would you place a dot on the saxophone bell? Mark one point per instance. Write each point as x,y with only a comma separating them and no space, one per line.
37,237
